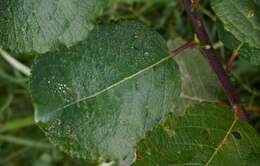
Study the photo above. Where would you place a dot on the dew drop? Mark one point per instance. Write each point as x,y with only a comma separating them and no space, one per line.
146,54
136,35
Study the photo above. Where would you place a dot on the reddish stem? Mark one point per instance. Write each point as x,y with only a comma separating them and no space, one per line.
211,56
187,45
231,61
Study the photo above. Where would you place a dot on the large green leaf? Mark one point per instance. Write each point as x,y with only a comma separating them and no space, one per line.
199,82
97,99
241,18
29,26
206,135
250,54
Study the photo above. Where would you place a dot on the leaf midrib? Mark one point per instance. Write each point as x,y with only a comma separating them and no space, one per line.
113,85
220,145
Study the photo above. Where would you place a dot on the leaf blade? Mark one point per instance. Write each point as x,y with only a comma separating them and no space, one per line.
198,138
29,27
250,54
125,80
241,18
196,87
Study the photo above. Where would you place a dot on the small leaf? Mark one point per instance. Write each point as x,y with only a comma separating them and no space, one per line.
206,135
39,26
199,82
97,99
241,18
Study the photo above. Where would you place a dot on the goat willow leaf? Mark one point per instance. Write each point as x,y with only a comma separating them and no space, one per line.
199,82
250,54
206,135
97,99
241,18
39,26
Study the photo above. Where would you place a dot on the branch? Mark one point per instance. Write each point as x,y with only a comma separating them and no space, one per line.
209,52
231,61
185,46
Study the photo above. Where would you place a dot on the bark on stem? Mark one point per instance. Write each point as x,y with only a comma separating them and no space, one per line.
209,52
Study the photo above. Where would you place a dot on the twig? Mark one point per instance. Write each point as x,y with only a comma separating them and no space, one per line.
253,109
207,13
185,46
232,59
209,52
16,64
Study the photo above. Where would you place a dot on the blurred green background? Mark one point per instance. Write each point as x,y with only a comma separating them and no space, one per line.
22,143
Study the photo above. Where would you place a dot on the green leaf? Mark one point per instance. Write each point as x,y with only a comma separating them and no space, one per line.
39,26
97,99
147,1
206,135
250,54
241,18
199,82
226,37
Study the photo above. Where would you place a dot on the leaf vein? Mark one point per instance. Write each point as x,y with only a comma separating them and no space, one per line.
221,142
115,84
